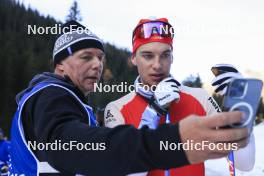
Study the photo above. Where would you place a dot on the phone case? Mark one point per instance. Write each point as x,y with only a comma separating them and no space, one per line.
243,95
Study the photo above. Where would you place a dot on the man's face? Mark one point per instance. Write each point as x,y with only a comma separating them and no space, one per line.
153,61
84,68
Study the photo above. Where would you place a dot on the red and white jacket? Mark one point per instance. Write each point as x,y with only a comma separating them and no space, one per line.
129,110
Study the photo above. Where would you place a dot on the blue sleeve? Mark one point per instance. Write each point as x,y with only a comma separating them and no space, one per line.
4,150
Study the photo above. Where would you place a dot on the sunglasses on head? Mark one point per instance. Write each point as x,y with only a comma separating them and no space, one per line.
149,29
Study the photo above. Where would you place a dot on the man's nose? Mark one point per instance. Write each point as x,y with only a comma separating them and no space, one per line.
97,62
156,63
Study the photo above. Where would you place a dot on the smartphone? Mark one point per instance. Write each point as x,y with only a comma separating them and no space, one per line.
243,95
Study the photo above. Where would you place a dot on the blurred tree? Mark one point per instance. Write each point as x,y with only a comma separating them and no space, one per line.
24,55
107,75
74,13
193,81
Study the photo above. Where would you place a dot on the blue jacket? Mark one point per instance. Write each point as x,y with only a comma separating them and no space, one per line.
21,151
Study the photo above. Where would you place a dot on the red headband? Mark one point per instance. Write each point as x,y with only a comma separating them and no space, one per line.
148,31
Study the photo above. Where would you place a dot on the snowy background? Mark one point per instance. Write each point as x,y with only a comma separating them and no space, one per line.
219,167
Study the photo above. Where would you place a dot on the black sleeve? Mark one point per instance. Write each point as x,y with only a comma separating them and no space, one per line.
53,114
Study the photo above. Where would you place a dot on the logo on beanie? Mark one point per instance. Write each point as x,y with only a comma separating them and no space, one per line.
64,39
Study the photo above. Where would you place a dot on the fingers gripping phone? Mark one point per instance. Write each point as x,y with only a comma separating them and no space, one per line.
243,95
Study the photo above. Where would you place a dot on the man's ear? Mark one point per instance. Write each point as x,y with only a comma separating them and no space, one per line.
59,68
133,59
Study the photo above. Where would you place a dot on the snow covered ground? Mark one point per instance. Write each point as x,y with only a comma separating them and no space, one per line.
219,167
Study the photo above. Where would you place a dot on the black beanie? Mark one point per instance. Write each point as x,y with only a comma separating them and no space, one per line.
74,37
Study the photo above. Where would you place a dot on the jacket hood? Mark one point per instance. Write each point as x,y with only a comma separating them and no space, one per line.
44,77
